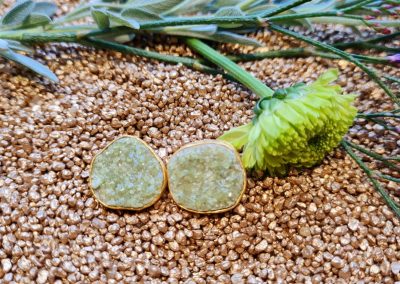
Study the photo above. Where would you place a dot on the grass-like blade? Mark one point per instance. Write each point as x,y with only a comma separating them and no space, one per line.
155,6
29,63
36,19
16,45
140,15
46,8
3,45
119,20
101,18
18,13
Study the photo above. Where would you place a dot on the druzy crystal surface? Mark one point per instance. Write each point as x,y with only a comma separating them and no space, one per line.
206,177
127,174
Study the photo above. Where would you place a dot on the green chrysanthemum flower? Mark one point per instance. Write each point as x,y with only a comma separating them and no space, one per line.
296,127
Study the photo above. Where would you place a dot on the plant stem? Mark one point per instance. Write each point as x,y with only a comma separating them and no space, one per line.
388,177
367,41
284,7
28,35
391,78
336,17
366,45
389,201
378,114
383,37
232,68
374,155
311,15
384,124
358,4
355,22
257,21
372,59
339,52
300,52
287,53
187,61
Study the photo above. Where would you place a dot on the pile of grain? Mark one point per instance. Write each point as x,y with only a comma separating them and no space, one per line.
323,224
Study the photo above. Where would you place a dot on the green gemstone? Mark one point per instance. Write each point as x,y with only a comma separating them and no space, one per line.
206,177
127,174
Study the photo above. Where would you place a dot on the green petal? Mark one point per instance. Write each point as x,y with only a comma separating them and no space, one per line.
237,136
328,77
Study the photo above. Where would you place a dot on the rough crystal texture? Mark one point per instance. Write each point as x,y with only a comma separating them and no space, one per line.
127,174
206,177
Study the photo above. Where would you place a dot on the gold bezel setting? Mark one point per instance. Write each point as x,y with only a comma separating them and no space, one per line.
163,168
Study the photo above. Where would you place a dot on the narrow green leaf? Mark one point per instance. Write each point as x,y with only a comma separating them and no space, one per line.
18,13
47,8
199,31
140,15
235,38
30,63
117,38
118,20
297,22
229,12
209,32
316,6
224,3
101,18
154,6
187,7
37,19
3,45
15,45
259,10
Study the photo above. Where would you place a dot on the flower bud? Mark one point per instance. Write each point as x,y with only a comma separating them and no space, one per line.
295,130
395,58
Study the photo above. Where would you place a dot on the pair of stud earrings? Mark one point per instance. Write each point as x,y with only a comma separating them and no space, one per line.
203,177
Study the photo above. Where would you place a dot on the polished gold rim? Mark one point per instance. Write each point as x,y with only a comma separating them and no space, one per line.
163,186
222,143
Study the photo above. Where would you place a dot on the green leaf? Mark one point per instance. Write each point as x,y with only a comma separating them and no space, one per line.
37,19
187,7
15,45
118,38
3,45
30,63
118,20
140,15
229,12
46,8
101,18
259,10
154,6
209,32
223,3
299,22
316,6
234,38
198,31
18,13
